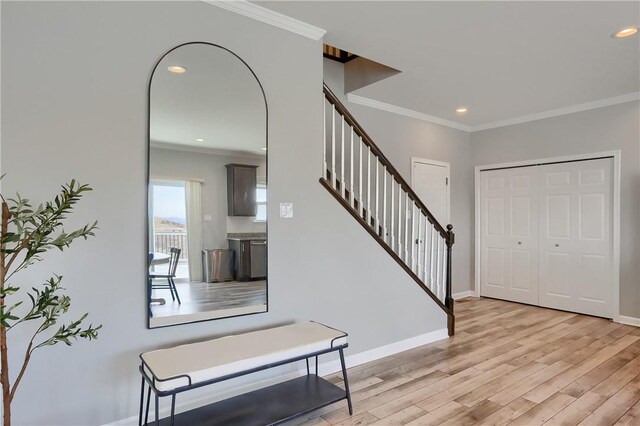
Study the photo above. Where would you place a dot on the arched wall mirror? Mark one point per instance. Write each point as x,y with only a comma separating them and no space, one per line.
207,188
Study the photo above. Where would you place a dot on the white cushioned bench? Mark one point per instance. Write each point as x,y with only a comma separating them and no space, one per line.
180,368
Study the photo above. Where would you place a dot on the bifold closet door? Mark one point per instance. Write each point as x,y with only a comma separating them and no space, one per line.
509,233
576,236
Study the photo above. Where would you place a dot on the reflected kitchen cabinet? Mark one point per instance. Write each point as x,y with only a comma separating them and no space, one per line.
241,189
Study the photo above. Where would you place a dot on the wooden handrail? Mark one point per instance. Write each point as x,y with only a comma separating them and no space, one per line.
396,176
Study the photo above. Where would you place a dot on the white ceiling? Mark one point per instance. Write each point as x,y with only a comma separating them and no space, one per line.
502,60
217,99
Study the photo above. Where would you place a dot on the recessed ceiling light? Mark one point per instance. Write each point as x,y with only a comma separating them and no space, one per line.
461,110
200,140
177,69
264,149
625,32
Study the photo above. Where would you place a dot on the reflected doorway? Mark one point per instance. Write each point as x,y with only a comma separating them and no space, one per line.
169,227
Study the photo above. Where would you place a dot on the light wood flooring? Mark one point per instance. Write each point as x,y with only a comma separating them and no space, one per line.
508,364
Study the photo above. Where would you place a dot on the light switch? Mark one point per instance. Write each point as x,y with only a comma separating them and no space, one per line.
286,210
207,218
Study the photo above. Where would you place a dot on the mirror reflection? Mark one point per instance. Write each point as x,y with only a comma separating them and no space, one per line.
207,193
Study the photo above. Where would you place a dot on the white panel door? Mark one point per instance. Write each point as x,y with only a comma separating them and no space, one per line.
430,181
509,234
576,236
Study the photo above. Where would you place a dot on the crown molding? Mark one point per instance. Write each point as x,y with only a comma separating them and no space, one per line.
629,97
372,103
268,16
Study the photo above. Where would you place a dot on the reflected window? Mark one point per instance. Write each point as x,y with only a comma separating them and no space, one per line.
169,221
261,202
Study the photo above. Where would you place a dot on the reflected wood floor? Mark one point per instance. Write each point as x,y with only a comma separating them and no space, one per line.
508,364
207,297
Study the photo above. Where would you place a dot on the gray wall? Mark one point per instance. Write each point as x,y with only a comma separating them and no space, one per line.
169,163
401,138
74,80
604,129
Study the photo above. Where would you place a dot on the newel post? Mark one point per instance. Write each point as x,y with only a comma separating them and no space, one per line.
448,301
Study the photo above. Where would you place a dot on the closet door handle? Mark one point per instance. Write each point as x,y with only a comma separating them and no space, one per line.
519,243
557,245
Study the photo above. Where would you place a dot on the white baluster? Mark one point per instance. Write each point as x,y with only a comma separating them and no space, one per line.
351,194
333,146
413,237
400,221
368,185
384,204
406,228
360,200
427,245
439,268
377,219
432,260
324,138
444,270
392,209
420,244
343,187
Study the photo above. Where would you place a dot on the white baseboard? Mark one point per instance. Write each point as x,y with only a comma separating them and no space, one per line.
324,369
629,320
463,294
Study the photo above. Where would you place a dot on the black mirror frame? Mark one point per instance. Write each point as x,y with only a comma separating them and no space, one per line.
148,176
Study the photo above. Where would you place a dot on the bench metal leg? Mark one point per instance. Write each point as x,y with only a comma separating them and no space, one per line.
141,402
316,365
146,415
308,372
157,410
173,408
346,381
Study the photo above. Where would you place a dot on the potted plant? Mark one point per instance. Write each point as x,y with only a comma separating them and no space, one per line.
26,234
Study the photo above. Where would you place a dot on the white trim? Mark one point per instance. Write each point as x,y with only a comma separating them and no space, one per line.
170,179
270,17
629,97
622,319
616,214
462,294
447,166
372,103
324,369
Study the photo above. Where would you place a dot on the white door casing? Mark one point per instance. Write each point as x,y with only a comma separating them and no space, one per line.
509,229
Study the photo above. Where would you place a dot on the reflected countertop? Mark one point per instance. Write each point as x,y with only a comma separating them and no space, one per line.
246,236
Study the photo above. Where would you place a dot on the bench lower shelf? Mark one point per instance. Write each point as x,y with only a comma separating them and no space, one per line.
267,406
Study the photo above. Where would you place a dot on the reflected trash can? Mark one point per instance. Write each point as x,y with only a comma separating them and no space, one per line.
217,265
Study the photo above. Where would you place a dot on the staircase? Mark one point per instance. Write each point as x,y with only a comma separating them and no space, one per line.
362,179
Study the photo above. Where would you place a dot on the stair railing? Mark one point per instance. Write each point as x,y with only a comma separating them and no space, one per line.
363,180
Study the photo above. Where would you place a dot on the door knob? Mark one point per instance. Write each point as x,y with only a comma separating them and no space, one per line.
519,243
557,245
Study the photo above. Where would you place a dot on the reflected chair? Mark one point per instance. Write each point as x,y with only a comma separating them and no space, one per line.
169,276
